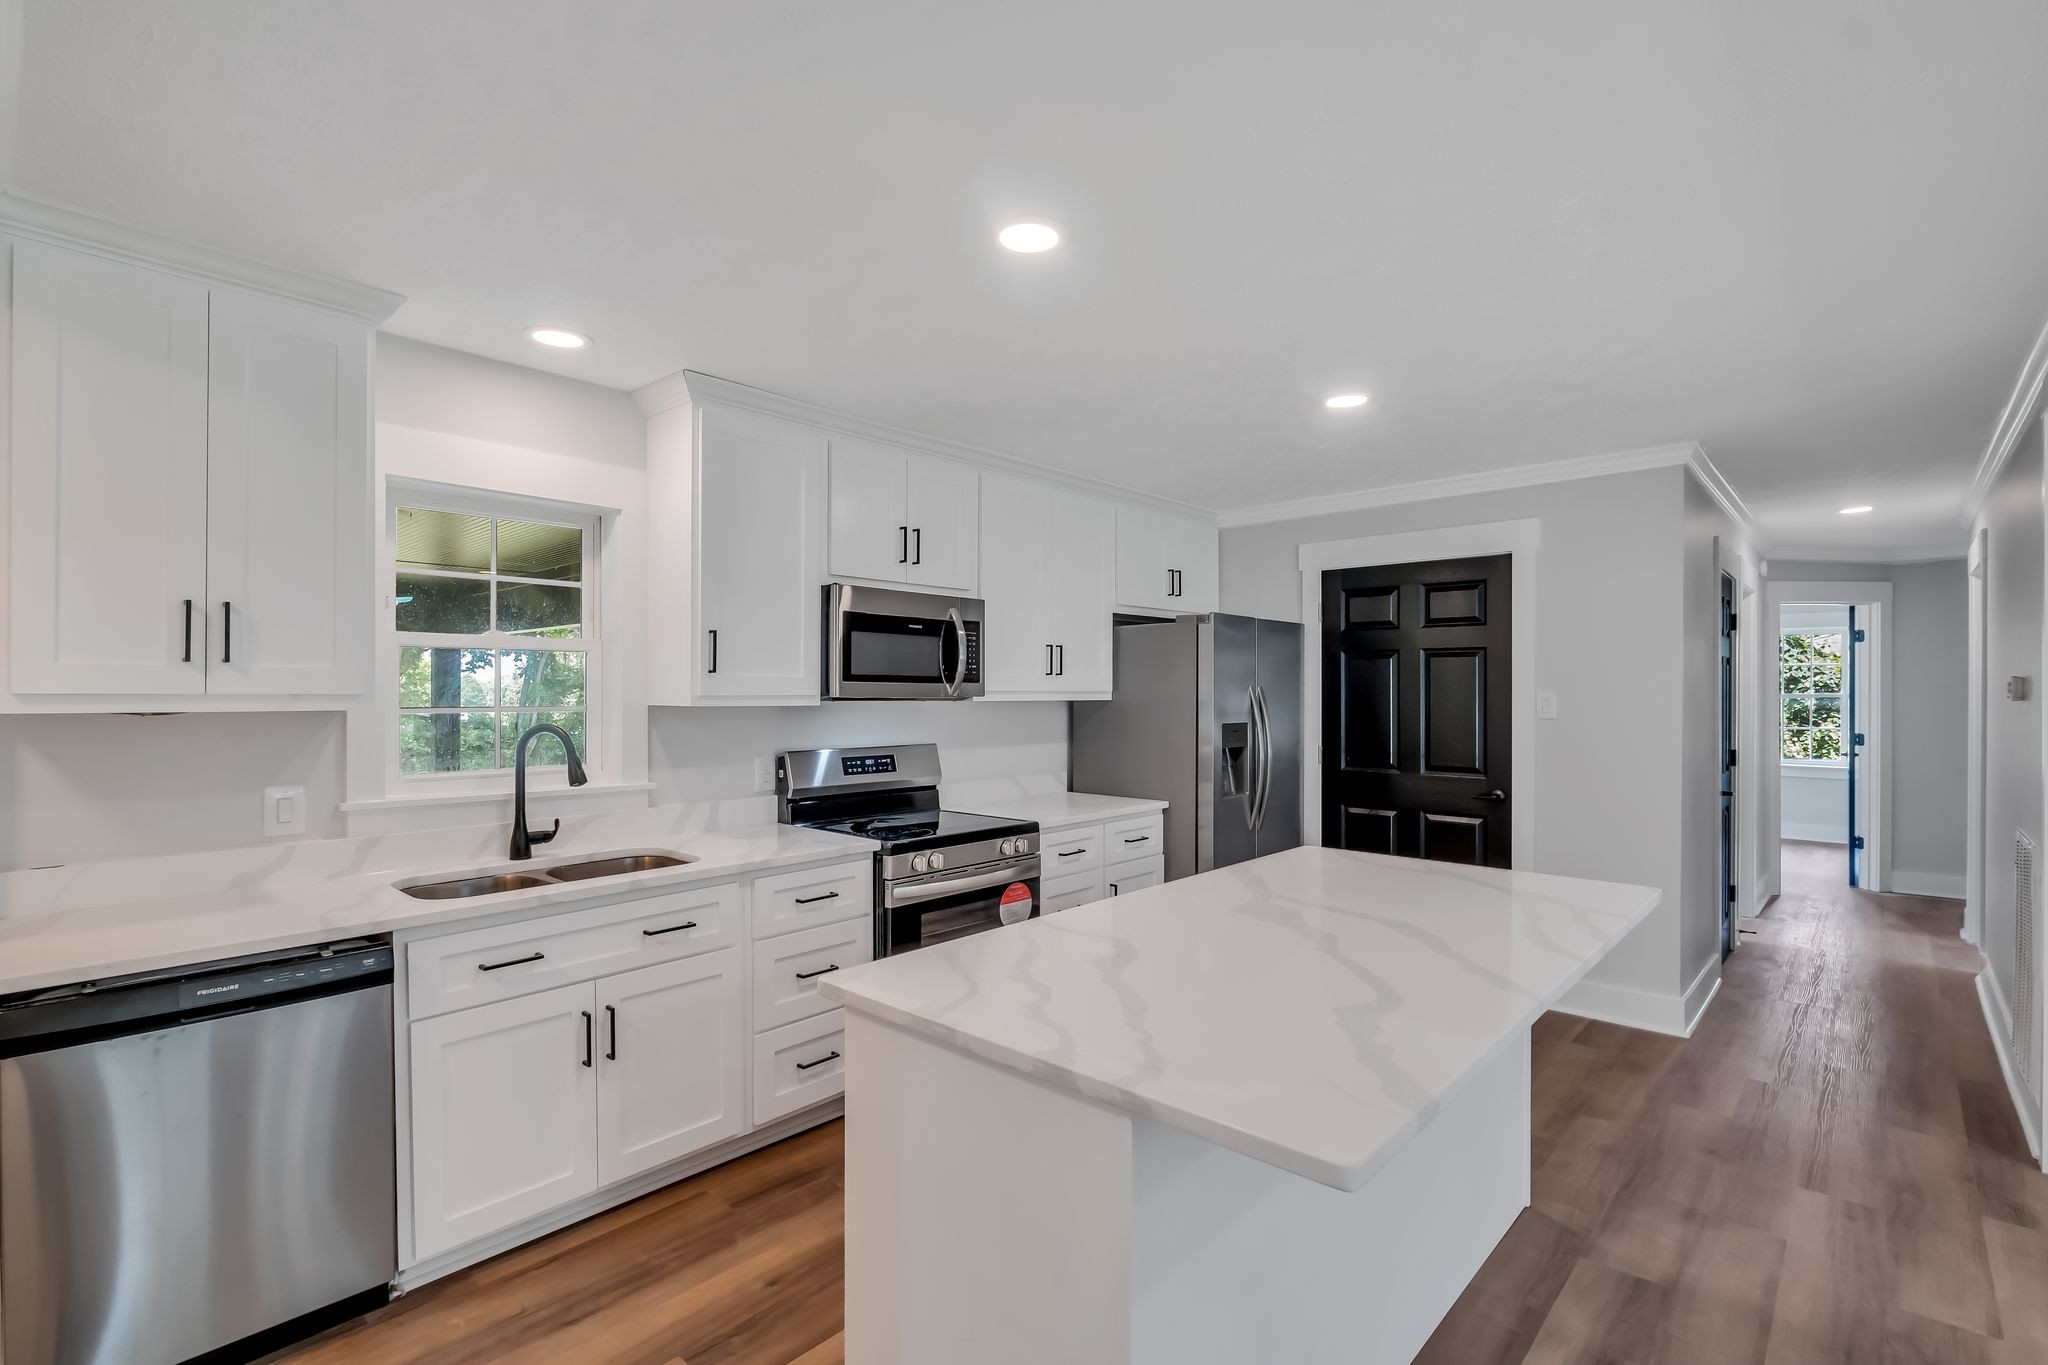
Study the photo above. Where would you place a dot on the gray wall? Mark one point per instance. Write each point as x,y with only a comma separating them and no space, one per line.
1710,541
1607,642
1929,645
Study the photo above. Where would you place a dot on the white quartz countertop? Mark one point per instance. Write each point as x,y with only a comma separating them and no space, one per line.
1311,1009
60,926
1058,810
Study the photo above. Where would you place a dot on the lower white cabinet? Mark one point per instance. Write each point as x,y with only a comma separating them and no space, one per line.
799,1065
668,1066
504,1122
1087,863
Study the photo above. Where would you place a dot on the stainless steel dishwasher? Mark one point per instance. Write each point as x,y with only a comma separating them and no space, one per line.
196,1161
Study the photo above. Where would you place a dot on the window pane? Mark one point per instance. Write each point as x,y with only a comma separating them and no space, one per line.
443,606
546,751
1798,711
531,609
446,677
532,549
443,540
445,742
541,677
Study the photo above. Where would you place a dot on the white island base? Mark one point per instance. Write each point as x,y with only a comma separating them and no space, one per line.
994,1220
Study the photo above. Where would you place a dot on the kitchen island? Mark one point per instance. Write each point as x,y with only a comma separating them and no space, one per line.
1278,1111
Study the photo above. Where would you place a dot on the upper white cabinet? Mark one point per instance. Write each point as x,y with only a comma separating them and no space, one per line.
1164,564
737,501
901,517
1048,575
191,490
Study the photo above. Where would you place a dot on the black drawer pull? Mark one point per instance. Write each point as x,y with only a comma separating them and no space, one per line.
672,929
806,1066
589,1042
1073,853
806,976
611,1015
1139,839
510,962
813,900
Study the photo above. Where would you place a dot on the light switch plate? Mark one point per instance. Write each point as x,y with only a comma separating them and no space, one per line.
284,810
764,777
1546,706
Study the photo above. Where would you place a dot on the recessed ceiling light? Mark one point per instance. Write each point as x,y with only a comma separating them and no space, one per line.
1030,235
559,337
1854,511
1345,400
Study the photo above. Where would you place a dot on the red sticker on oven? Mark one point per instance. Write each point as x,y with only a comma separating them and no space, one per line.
1015,904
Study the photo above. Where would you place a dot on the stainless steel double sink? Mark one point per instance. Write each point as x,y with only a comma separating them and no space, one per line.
462,888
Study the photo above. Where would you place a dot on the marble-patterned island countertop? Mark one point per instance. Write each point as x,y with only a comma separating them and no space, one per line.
1313,1009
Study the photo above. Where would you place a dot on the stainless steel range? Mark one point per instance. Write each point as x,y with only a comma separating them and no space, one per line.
939,874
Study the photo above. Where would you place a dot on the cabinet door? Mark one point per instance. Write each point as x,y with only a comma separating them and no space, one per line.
671,1046
1143,574
1015,645
945,524
870,528
504,1115
760,555
1080,596
1191,551
289,586
108,512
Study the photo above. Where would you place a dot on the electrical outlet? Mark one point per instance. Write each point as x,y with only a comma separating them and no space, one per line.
284,810
764,777
1546,706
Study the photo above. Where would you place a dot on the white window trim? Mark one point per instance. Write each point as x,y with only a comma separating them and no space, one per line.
440,788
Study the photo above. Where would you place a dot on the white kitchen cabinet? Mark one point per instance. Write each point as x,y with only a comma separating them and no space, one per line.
503,1101
288,486
1048,578
737,510
670,1073
191,487
1165,564
108,520
900,517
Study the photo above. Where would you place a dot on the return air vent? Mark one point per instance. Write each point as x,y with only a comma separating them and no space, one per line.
2023,955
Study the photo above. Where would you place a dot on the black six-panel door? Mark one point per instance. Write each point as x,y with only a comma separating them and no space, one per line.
1416,712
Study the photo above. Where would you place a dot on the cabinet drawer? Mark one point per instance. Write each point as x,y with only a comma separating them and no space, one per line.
787,969
1125,878
1064,893
1141,836
456,971
1068,851
798,1065
811,896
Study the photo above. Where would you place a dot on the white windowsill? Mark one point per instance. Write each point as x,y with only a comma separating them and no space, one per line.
1814,767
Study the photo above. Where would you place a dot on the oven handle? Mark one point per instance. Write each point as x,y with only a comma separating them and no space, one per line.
898,897
960,669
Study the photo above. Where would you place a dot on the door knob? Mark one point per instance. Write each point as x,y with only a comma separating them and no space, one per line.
1496,797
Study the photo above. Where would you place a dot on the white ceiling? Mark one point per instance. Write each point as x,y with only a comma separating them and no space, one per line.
1810,236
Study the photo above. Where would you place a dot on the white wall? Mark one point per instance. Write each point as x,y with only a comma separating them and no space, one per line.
1608,643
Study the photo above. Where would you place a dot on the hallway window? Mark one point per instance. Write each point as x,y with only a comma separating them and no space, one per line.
1810,684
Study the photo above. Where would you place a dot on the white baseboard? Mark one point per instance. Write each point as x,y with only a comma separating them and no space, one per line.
1998,1020
1677,1015
1705,986
1949,886
1814,834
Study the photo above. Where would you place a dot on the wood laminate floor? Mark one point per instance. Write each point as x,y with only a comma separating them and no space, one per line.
1829,1170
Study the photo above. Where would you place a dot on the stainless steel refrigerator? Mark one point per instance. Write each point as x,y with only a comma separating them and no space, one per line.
1207,718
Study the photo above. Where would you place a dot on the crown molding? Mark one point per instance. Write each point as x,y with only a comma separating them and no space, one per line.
41,220
2021,406
1461,485
1841,554
1724,495
692,386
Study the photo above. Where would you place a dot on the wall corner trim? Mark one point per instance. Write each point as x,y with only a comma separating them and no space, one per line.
2022,405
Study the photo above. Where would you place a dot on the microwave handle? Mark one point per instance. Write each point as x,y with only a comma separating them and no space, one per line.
960,668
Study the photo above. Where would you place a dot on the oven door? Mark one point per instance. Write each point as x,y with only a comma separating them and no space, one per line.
882,645
920,911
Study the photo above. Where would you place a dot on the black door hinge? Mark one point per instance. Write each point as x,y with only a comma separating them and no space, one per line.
1731,895
1856,842
1857,636
1731,758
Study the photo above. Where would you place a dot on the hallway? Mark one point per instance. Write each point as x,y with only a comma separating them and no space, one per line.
1829,1170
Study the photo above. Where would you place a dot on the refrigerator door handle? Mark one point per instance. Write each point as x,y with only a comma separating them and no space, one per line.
1263,724
1255,761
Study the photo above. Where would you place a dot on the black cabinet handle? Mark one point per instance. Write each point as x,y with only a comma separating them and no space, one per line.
917,544
509,962
227,631
714,653
1112,888
813,900
1048,661
903,545
806,1066
188,630
611,1019
1139,839
1061,671
672,929
589,1043
806,976
1073,853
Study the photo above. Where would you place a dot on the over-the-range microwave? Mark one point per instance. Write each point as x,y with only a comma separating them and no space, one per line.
882,644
